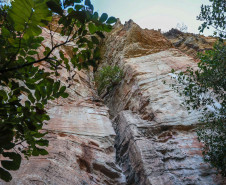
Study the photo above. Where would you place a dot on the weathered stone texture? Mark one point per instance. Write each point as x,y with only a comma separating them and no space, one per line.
155,137
80,152
156,141
160,154
81,148
190,43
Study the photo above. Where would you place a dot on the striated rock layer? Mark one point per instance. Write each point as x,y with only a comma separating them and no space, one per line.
156,141
190,43
81,148
154,136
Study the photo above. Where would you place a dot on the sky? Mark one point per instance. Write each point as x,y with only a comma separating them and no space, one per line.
156,14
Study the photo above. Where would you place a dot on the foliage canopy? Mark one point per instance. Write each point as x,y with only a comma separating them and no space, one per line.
214,15
25,89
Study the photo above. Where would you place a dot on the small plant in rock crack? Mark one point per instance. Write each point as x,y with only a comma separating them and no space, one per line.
107,78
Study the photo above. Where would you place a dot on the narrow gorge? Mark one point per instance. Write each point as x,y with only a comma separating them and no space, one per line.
138,134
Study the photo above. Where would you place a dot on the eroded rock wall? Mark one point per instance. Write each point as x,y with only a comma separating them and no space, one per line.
80,133
156,141
190,43
154,136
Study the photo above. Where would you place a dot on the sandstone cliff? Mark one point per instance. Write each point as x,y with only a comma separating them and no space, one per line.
156,141
139,135
190,43
81,148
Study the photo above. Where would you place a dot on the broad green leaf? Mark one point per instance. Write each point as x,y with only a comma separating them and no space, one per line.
61,55
107,28
95,16
111,20
56,87
30,86
49,89
31,98
79,7
42,90
42,142
37,94
100,34
92,28
46,117
89,4
14,164
70,10
64,95
55,6
103,17
32,52
5,175
38,135
35,152
27,15
3,94
47,50
62,89
39,105
43,152
27,104
5,32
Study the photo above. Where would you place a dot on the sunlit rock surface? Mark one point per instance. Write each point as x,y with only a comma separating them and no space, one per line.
80,151
150,139
156,141
81,148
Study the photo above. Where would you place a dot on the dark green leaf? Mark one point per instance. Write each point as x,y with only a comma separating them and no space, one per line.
103,17
111,20
64,95
31,98
14,164
62,89
55,7
95,40
5,175
56,87
92,28
42,142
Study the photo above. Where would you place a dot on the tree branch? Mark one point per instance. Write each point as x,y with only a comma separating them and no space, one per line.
34,62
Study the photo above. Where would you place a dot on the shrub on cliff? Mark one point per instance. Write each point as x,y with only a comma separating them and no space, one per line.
21,25
107,78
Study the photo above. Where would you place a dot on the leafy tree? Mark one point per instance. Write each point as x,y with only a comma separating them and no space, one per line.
26,89
204,89
214,16
107,78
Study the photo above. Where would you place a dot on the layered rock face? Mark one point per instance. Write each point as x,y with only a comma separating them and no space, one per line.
190,43
80,133
156,141
150,138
